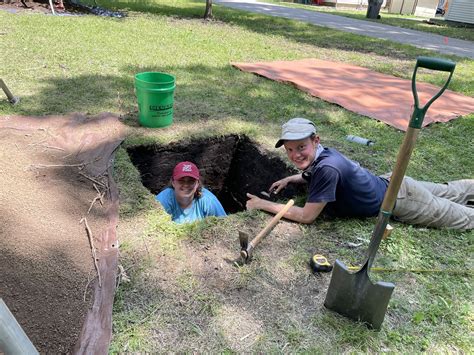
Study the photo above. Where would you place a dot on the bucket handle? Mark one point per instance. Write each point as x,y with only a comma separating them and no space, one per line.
158,90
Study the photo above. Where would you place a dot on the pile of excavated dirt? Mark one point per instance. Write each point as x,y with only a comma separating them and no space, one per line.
54,173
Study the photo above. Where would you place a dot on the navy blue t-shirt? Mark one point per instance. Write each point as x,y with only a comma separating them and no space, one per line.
348,189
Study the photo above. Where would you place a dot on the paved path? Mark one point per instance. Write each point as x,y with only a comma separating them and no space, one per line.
419,39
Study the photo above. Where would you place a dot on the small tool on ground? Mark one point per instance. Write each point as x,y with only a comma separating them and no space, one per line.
271,196
359,140
319,263
353,294
246,247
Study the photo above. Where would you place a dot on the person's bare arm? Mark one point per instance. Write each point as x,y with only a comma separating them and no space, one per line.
306,214
279,185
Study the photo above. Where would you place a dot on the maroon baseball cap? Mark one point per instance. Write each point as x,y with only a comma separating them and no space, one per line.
185,168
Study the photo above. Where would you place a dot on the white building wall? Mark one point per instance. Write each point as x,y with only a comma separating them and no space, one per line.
460,11
426,8
403,7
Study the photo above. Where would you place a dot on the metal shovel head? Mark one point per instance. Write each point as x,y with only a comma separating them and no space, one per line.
244,240
356,297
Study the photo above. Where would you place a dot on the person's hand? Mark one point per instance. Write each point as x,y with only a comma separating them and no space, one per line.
279,185
253,202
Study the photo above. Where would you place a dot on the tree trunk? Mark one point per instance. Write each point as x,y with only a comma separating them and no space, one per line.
208,13
374,9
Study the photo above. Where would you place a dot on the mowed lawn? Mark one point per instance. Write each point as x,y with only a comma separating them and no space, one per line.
172,302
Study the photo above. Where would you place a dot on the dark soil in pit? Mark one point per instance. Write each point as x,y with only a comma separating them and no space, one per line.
230,167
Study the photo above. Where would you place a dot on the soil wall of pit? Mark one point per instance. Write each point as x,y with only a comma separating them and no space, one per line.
230,167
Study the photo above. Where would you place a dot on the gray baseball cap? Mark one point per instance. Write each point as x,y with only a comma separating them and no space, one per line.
296,129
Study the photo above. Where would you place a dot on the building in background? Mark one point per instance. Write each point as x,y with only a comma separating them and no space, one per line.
460,11
422,8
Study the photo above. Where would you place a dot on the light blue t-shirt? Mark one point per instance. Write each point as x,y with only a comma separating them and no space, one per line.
205,206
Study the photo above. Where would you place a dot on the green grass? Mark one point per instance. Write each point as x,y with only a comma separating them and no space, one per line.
404,21
185,294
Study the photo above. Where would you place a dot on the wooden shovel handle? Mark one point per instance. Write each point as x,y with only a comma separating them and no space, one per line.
272,223
398,173
7,92
405,151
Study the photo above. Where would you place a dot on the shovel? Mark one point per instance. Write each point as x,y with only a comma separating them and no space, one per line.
353,294
246,248
11,99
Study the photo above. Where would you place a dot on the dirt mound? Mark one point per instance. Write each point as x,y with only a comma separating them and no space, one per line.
54,173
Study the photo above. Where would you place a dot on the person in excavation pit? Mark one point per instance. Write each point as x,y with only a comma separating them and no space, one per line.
342,188
187,200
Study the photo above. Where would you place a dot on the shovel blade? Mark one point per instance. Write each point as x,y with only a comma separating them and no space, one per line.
355,296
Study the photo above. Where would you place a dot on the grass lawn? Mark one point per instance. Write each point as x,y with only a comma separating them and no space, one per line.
404,21
185,294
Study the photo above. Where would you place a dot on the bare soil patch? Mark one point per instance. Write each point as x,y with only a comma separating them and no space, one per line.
47,271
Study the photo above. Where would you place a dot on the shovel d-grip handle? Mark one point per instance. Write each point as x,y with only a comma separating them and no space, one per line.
406,150
433,64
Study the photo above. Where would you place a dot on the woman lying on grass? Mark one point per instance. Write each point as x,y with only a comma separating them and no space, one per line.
342,188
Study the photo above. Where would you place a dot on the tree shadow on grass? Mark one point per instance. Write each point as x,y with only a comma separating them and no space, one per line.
294,30
202,93
208,96
84,93
193,9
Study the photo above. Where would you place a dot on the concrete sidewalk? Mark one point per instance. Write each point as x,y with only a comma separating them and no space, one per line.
418,39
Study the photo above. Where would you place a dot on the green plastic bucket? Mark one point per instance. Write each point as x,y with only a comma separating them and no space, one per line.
155,96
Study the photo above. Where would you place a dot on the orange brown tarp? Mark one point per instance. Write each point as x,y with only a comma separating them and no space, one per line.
383,97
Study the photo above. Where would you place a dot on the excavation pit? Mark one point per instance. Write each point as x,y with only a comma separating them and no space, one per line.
230,167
